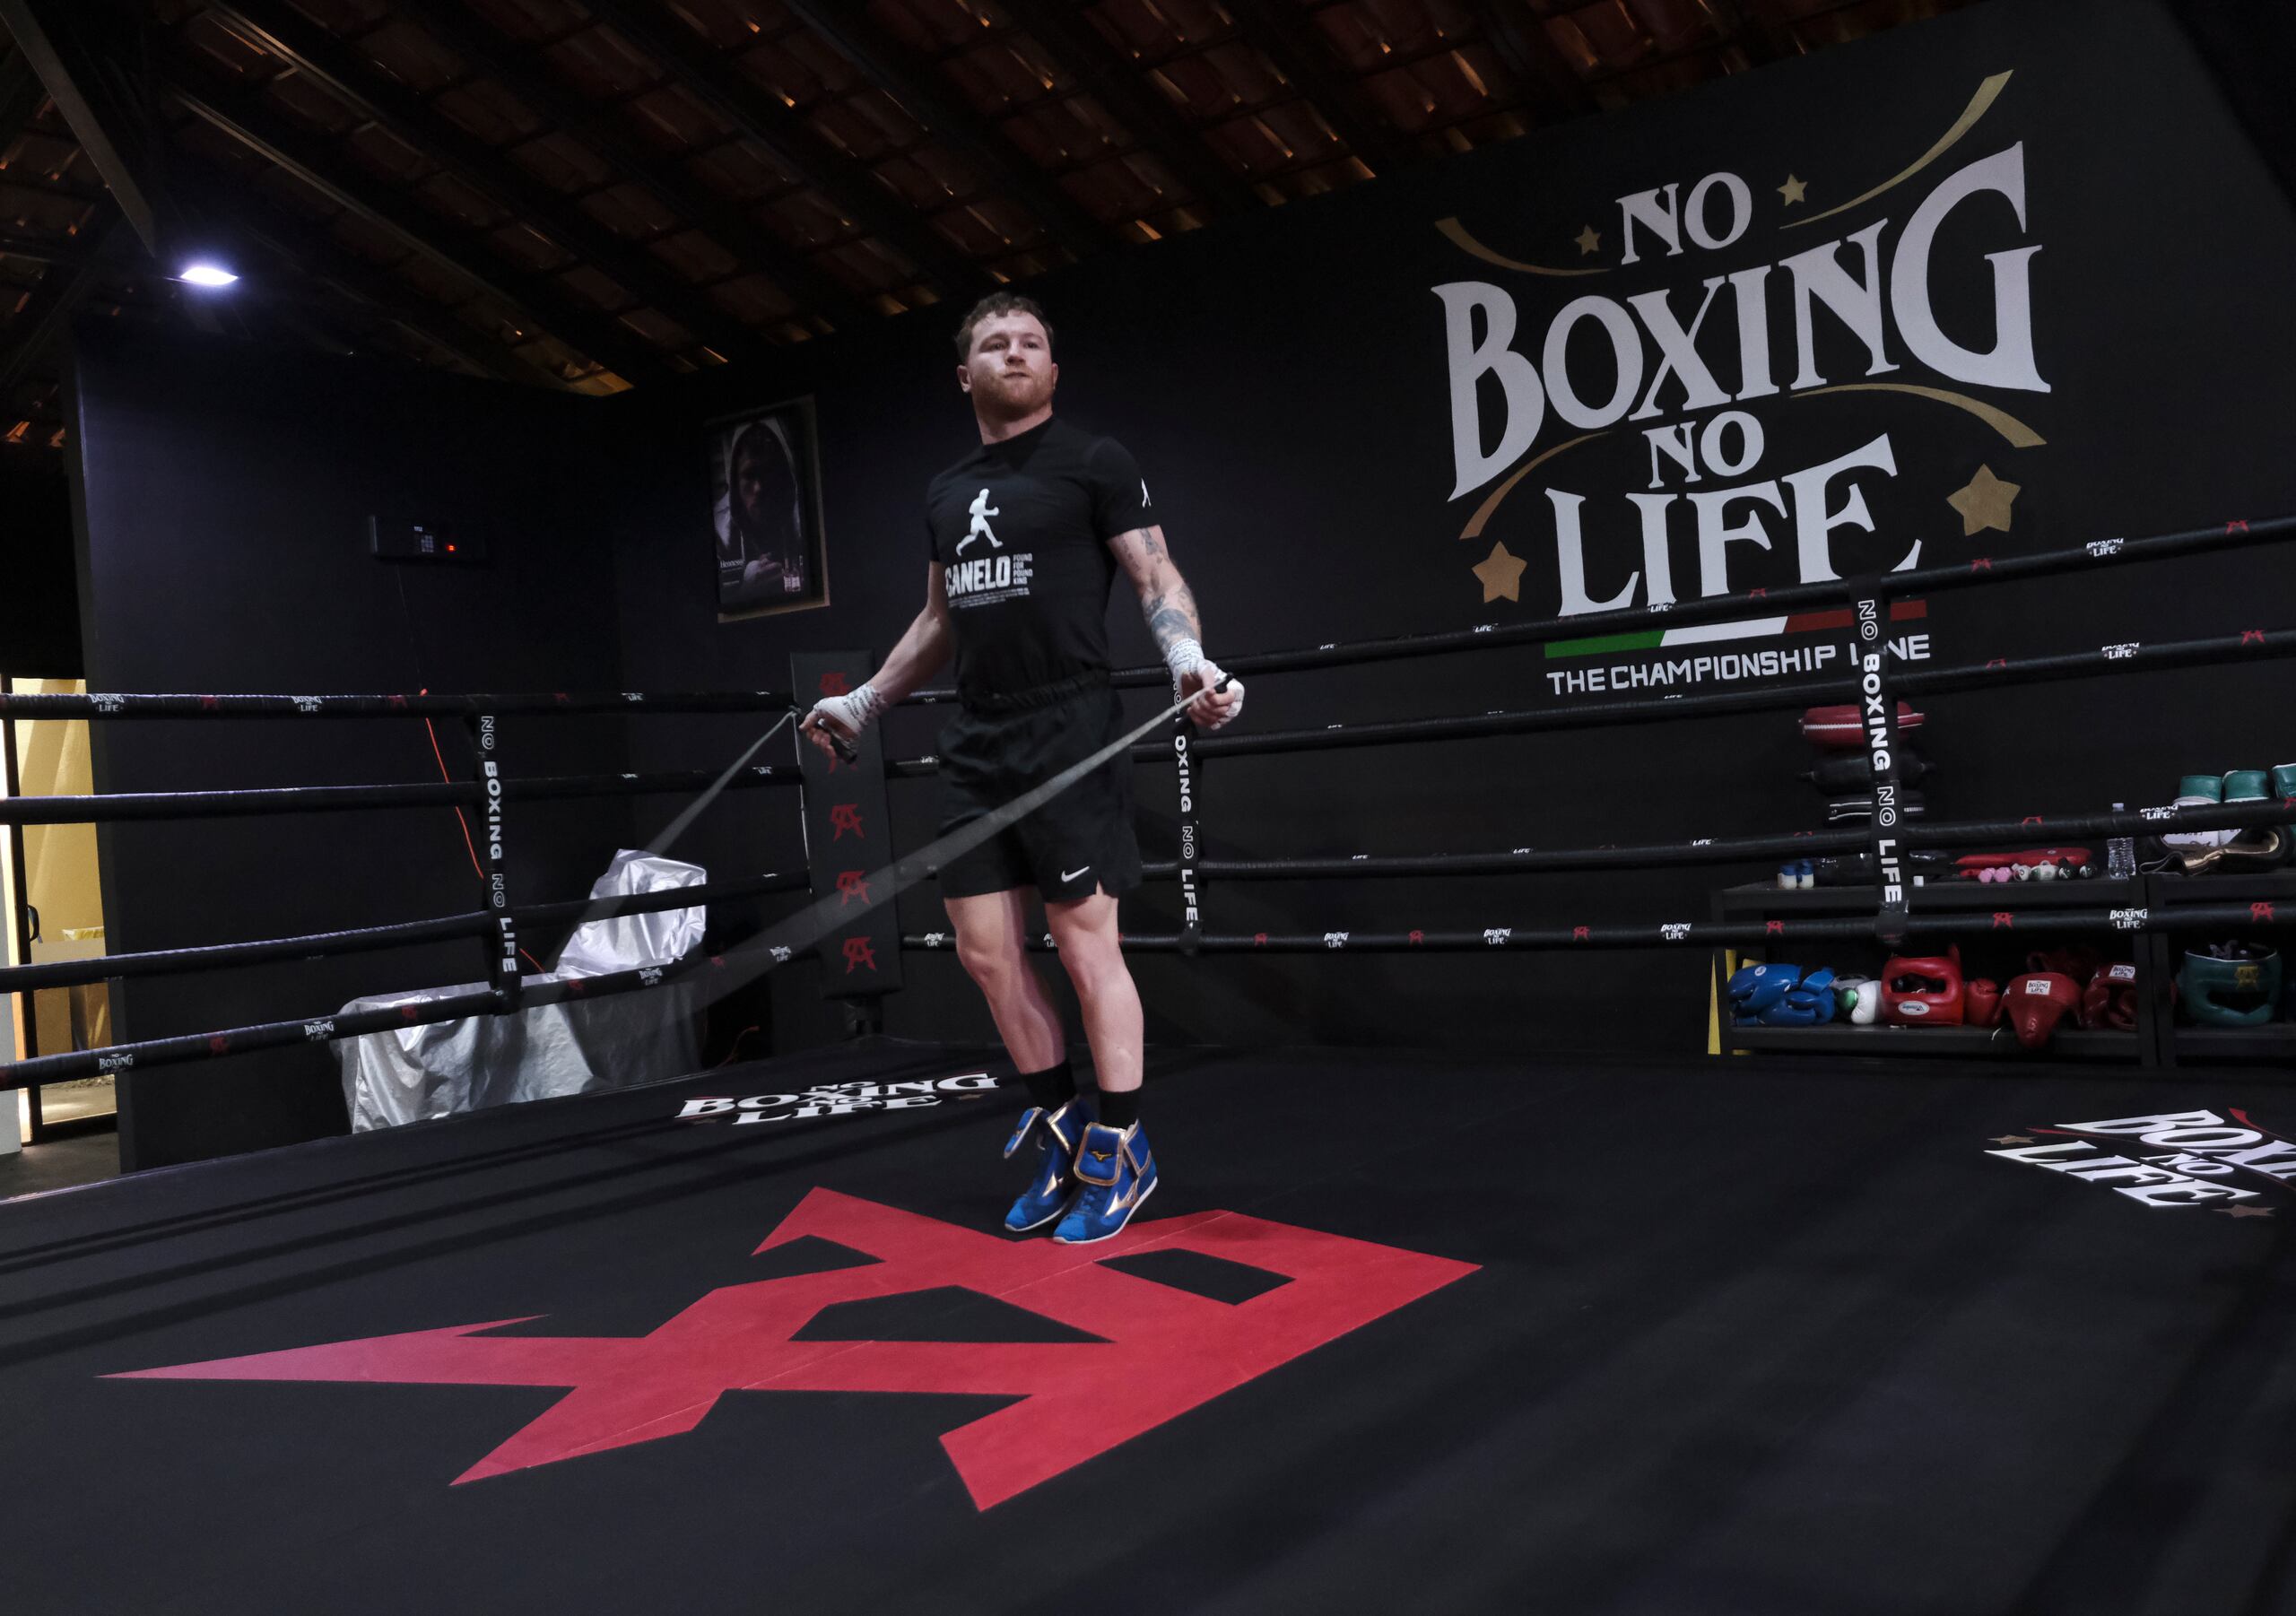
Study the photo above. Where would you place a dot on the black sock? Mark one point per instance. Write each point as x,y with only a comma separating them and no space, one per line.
1052,1088
1119,1107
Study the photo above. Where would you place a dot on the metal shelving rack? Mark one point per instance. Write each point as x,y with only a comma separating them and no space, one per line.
1760,901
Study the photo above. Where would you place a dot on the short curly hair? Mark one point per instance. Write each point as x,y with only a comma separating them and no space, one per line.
990,307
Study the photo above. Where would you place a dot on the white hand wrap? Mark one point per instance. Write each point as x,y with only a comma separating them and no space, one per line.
852,713
1183,656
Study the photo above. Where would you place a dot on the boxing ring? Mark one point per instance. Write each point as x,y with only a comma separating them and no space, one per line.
1421,1331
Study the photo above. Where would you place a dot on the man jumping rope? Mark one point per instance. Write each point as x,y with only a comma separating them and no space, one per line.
1026,535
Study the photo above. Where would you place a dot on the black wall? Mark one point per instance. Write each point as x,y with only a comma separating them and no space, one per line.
40,614
228,490
1283,382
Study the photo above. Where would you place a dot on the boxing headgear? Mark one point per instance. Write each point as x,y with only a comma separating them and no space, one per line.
2037,1002
1923,991
2231,984
2109,1000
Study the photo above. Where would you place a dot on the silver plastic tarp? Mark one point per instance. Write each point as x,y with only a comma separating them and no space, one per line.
417,1072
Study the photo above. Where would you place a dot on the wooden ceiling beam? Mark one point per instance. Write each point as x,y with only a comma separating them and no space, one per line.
77,47
460,30
908,77
21,95
1520,38
351,77
1084,54
713,79
41,323
1289,38
69,252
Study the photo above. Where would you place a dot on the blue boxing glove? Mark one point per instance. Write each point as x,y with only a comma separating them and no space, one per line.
1807,1004
1754,989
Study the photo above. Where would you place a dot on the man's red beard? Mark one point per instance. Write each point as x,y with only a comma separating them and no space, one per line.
1010,397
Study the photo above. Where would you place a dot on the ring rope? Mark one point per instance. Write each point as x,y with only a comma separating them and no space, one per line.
1724,850
1982,570
755,959
774,947
761,955
106,807
180,961
26,705
161,962
1694,934
1713,608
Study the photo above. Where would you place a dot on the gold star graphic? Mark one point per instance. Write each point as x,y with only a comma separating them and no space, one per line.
1588,239
1792,190
1983,503
2012,1139
1501,574
2246,1212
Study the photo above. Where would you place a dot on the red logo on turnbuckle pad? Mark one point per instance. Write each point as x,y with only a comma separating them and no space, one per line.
1161,1350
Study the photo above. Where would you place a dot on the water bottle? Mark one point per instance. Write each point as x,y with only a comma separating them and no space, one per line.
2120,854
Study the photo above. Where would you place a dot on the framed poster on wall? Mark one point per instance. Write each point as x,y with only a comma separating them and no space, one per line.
765,478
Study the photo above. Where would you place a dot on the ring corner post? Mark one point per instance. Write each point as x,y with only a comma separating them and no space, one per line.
1190,796
1869,652
501,939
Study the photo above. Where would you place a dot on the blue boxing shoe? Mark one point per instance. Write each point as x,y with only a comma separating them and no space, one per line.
1115,1173
1057,1133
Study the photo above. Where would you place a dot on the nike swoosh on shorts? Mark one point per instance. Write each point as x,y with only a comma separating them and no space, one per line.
1073,874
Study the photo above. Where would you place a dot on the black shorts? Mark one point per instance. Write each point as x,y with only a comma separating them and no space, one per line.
1079,842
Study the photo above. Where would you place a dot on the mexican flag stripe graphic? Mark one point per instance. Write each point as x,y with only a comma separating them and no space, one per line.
1753,628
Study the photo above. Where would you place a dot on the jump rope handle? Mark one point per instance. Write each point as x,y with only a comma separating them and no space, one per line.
844,747
1220,689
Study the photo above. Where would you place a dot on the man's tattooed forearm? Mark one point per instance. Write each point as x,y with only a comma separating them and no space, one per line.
1172,616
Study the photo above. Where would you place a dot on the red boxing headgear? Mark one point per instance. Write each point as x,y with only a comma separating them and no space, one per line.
1923,991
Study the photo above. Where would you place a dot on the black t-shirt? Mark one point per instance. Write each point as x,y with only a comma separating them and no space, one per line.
1022,527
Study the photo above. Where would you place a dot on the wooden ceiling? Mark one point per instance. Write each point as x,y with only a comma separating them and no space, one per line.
601,194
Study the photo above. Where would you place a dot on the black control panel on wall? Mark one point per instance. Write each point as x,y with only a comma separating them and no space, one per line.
397,539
